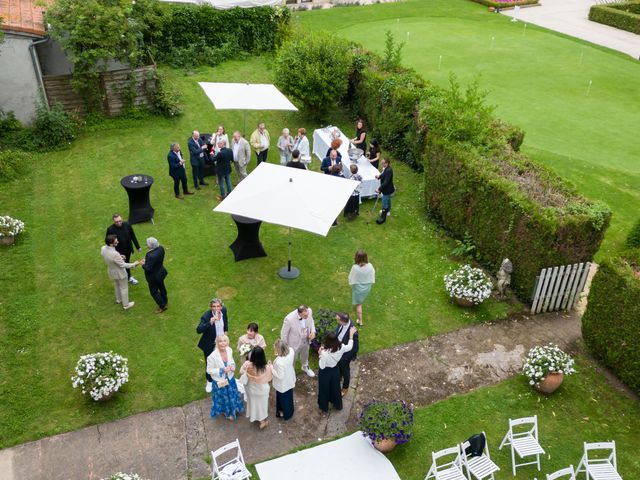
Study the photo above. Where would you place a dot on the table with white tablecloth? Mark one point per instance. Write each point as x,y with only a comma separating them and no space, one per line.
322,142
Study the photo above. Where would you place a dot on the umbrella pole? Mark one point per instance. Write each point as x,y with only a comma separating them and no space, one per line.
289,272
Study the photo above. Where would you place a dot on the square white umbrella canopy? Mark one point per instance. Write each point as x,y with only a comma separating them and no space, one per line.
290,197
246,96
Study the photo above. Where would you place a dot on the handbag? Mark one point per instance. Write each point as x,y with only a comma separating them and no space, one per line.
222,383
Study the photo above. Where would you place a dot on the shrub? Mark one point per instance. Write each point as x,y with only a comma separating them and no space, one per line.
633,239
625,16
314,68
387,420
468,283
325,322
611,322
10,227
165,100
100,375
546,359
511,208
53,127
14,163
505,3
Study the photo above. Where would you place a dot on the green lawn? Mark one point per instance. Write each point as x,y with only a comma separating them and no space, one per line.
537,79
57,302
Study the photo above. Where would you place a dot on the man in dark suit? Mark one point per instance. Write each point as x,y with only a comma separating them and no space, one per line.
177,171
387,188
197,149
155,273
213,323
126,240
223,159
329,161
344,325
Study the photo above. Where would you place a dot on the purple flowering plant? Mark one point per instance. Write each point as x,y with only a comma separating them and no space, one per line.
387,420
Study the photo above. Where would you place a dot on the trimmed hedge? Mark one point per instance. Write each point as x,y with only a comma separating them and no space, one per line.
611,323
633,239
14,163
511,208
506,3
625,16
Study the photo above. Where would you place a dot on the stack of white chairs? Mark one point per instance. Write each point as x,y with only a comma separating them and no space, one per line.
564,474
601,467
441,469
230,469
524,443
479,466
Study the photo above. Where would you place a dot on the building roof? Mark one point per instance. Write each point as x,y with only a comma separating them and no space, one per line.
23,16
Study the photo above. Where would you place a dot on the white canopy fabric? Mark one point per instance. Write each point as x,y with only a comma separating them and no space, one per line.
225,4
353,457
246,96
290,197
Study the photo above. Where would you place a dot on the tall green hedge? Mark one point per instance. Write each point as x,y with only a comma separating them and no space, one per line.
625,16
611,323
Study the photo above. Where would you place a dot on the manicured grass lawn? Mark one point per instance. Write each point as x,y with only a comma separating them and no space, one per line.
57,302
537,79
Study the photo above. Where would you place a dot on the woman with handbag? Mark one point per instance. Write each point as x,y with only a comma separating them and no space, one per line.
225,395
329,355
255,375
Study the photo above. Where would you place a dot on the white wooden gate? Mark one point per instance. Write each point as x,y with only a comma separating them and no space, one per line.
559,288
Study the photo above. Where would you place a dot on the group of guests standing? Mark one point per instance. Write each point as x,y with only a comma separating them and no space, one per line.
337,350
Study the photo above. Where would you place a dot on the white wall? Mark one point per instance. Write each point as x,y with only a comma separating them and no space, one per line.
18,81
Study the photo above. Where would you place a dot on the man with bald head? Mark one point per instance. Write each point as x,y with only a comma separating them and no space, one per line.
197,148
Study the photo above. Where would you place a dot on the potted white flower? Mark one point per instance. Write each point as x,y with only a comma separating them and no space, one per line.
100,375
10,228
124,476
546,366
469,286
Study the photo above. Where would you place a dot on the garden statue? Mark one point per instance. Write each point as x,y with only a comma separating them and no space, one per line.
504,276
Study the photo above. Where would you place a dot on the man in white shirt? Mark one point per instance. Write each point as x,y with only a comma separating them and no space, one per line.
297,331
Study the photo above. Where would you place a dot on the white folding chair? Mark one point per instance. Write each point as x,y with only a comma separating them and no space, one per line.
447,470
599,466
565,472
479,466
524,443
230,469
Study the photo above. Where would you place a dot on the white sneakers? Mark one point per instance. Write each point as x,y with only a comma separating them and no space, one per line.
128,305
308,371
208,387
133,281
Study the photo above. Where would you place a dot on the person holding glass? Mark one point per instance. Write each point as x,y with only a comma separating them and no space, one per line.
226,399
256,375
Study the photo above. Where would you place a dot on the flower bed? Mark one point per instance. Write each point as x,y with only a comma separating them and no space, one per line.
100,375
468,283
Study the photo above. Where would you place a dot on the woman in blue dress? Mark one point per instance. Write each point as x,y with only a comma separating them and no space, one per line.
225,395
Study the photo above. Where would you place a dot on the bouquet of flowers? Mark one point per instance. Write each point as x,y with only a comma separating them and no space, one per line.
245,348
101,374
124,476
547,359
468,283
10,227
387,420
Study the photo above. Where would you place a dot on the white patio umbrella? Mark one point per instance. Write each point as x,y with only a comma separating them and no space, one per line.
290,197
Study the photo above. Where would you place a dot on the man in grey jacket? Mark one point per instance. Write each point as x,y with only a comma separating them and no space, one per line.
117,270
298,329
241,155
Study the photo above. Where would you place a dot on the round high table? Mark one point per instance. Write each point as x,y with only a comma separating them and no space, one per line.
140,209
247,244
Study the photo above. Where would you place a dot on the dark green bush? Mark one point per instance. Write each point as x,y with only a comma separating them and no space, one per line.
611,323
14,163
314,69
496,4
511,208
633,240
165,100
625,16
53,127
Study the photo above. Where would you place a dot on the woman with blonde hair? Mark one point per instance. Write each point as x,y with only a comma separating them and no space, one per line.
361,278
284,379
225,395
256,375
285,146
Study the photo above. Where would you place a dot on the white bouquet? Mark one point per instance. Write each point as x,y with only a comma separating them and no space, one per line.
468,283
547,359
245,348
101,374
10,227
124,476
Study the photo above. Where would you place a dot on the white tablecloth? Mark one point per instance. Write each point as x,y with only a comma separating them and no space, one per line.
322,143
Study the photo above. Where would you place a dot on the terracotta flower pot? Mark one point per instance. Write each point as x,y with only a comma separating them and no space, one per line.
108,397
550,382
8,240
463,302
385,446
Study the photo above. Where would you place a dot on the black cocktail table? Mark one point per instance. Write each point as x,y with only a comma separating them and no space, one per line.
247,244
140,209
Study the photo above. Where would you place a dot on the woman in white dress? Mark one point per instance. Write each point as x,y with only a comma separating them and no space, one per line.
219,136
284,379
301,143
256,375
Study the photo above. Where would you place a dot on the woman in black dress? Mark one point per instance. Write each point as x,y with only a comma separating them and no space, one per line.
374,153
360,140
329,355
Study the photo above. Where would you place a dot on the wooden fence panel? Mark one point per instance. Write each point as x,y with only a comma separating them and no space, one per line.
558,288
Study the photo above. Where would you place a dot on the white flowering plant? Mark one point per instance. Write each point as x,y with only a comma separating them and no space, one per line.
542,360
245,348
10,227
101,374
124,476
468,283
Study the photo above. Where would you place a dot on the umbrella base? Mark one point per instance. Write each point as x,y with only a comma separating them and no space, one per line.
289,273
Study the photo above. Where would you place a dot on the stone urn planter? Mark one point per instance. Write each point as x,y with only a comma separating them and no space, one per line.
8,240
386,445
463,302
550,383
